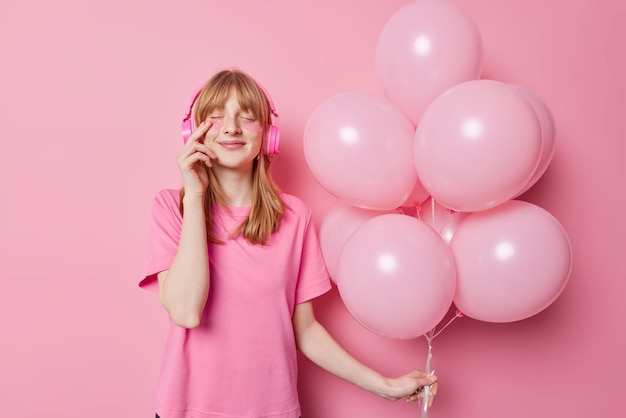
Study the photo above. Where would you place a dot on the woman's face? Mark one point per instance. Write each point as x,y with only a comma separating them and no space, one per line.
236,135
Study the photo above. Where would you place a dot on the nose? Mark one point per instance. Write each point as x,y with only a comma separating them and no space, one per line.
231,126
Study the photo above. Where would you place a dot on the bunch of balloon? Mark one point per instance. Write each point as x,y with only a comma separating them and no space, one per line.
457,150
478,146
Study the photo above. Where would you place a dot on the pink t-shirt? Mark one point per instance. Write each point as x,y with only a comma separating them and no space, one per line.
241,360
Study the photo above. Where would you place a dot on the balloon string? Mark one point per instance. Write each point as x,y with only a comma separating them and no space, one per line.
457,315
452,214
432,210
430,336
429,360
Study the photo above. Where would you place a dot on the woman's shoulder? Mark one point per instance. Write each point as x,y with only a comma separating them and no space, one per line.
166,200
294,203
171,196
295,207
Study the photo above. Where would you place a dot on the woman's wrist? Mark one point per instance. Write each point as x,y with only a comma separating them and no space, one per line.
191,199
386,388
380,385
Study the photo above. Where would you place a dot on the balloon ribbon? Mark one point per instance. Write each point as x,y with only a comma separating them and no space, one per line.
430,336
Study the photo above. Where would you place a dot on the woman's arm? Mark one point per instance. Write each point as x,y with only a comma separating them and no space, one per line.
320,347
184,288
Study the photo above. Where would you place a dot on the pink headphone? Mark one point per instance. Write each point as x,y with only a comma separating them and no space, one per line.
272,134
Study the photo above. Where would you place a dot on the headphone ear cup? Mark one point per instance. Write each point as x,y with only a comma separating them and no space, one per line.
187,129
273,140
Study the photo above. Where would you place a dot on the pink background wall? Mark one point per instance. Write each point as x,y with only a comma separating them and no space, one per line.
91,95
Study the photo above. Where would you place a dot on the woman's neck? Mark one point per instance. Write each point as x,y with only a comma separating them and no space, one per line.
236,185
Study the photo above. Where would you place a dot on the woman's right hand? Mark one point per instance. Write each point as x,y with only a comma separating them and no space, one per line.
195,159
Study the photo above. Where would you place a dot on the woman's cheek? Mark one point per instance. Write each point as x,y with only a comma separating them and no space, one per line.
252,126
217,125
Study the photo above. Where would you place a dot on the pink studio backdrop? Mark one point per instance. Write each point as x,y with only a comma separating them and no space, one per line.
91,95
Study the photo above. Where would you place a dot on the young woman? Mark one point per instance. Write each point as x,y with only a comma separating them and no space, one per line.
236,264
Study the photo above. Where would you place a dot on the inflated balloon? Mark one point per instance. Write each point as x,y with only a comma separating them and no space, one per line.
546,122
396,276
418,195
443,220
512,262
477,145
359,148
424,49
338,224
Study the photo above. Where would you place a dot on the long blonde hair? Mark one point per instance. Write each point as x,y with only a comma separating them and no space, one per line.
267,208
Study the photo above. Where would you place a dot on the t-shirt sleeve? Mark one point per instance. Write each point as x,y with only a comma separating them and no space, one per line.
313,279
163,238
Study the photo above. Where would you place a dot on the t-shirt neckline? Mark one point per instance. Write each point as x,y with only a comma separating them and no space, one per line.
233,211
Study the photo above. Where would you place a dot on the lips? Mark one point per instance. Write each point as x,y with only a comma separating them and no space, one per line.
232,144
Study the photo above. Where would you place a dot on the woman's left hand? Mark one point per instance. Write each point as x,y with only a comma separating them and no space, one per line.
411,386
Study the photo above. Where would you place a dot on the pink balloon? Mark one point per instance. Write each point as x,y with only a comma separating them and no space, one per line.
418,195
359,148
424,49
512,262
338,224
546,122
443,220
477,145
396,276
